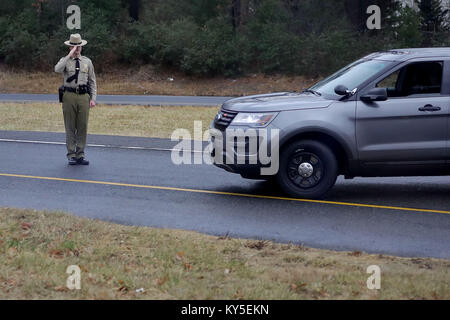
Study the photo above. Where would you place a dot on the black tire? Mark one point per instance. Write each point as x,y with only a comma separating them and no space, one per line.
303,158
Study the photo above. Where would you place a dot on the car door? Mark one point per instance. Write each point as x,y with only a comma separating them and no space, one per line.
406,133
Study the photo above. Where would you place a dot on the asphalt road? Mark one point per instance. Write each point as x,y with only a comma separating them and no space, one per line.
141,186
123,99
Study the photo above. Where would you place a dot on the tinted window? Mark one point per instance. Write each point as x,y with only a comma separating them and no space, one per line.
351,76
415,78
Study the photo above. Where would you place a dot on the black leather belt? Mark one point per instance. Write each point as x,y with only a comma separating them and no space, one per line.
78,90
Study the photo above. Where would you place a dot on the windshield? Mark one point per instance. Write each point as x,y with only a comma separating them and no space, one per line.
351,76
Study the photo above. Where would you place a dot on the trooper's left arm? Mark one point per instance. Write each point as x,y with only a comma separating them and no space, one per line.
92,84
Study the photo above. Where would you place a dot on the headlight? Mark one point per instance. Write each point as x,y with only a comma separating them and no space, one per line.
254,119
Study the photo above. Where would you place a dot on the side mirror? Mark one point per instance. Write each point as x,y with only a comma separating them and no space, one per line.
341,90
375,94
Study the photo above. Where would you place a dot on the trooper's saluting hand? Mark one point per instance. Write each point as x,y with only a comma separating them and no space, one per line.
80,95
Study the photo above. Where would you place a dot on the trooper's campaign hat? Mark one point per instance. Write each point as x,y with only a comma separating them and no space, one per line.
75,40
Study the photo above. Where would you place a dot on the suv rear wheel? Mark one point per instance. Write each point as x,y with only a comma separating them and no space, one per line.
308,169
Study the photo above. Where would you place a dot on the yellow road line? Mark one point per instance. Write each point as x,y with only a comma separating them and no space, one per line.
222,193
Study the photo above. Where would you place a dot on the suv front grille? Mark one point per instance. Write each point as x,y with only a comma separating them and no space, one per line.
223,119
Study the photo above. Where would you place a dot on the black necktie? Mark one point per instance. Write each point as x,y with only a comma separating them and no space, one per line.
77,70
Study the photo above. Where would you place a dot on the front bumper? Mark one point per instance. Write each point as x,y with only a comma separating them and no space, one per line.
240,154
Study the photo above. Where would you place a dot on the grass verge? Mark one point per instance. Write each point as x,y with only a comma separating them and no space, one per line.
115,261
145,80
139,121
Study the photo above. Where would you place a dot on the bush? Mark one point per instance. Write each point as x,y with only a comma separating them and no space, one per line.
176,39
330,51
207,37
52,49
213,50
407,32
100,30
139,43
19,48
272,48
20,39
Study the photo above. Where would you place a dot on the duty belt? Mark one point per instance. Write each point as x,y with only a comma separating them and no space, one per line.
78,90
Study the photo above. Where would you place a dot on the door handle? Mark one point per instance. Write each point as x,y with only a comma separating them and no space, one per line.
429,107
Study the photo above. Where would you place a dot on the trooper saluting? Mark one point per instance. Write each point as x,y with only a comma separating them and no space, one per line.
80,94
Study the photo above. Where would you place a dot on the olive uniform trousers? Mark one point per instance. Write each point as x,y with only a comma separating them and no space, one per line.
76,115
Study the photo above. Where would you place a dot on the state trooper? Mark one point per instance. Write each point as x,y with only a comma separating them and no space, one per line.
80,94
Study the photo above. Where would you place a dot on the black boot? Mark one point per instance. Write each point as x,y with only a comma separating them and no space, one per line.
72,161
82,161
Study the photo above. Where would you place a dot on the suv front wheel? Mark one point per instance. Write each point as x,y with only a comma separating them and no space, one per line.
308,169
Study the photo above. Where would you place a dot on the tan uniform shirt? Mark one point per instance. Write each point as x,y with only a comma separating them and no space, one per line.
66,66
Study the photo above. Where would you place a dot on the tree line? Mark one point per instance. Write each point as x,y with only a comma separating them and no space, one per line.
217,37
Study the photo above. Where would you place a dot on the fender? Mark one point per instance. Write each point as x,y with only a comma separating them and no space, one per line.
314,129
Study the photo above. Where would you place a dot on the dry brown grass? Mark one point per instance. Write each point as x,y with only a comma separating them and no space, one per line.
136,121
146,81
37,247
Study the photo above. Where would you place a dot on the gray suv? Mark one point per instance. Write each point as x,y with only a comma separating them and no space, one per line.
386,114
